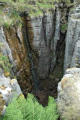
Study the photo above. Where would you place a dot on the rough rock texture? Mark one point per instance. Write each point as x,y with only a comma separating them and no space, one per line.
69,95
72,57
32,48
14,38
40,42
9,89
44,32
37,48
56,37
4,47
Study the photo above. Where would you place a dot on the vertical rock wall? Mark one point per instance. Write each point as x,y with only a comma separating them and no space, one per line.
4,48
37,48
44,34
42,29
9,88
16,43
72,57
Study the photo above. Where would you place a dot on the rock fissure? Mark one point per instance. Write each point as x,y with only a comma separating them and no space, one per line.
30,56
44,20
38,51
44,52
41,45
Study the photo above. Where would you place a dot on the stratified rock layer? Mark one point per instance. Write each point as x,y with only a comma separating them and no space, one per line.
69,95
72,50
37,49
44,34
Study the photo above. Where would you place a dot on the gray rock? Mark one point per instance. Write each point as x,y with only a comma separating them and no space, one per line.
76,56
45,40
56,37
43,30
68,100
9,89
4,47
73,40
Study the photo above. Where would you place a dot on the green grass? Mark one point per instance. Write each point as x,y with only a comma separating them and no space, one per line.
11,15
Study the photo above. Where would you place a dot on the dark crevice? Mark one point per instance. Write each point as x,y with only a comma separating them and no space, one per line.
44,20
54,27
52,39
47,86
30,56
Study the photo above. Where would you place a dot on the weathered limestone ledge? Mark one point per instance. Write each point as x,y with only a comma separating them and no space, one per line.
9,89
68,100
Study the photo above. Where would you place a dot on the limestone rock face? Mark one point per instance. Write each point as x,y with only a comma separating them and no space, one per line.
43,29
44,49
44,33
69,95
9,89
72,57
4,47
14,38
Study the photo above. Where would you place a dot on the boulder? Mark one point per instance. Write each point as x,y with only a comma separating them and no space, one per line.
9,89
68,100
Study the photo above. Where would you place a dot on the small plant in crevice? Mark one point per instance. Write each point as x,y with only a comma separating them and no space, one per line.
64,28
5,64
30,109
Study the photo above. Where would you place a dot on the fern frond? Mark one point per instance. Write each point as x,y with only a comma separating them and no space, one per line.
30,109
13,112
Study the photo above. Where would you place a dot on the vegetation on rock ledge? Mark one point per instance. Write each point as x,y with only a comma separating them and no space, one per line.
10,9
5,64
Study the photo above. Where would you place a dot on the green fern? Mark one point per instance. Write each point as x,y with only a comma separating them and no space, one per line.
30,109
1,118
